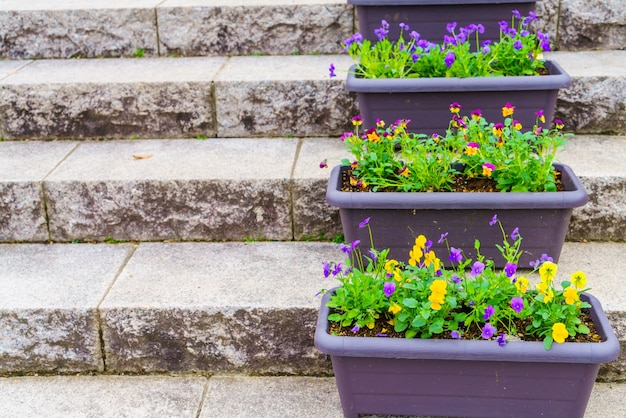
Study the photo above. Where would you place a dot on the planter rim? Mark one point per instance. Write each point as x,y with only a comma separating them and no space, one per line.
557,78
574,196
515,351
430,2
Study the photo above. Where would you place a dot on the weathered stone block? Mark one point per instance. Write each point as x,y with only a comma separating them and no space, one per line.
594,103
248,308
585,25
214,189
241,28
49,340
282,96
604,215
313,217
106,111
109,99
216,340
164,210
77,33
23,166
22,214
48,314
547,12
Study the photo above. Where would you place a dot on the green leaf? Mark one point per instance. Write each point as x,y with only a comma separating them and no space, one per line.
583,329
410,333
410,303
418,322
547,342
334,317
435,328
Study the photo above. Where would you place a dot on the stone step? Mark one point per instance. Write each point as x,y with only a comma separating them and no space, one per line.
219,396
229,189
122,28
246,308
240,96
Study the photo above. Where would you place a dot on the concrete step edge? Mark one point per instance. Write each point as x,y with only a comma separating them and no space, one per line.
225,97
226,189
199,307
67,29
217,396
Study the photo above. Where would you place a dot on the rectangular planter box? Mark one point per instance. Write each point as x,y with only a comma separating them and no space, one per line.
426,101
397,218
465,378
430,17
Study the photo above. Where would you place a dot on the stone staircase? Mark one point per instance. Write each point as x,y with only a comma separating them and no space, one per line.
161,202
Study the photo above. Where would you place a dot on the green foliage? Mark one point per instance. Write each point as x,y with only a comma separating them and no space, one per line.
519,161
518,52
471,299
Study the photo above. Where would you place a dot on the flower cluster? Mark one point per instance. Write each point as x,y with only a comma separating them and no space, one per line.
470,300
461,54
391,158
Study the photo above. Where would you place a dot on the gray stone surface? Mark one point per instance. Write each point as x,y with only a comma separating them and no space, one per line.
102,396
226,396
585,25
594,103
313,217
241,97
279,397
248,308
547,12
8,68
208,27
109,99
48,309
71,29
282,96
217,189
22,168
604,178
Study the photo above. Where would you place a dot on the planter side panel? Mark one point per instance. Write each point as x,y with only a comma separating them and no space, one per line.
462,388
543,230
429,111
430,20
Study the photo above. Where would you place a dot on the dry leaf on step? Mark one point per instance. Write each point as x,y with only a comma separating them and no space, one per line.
141,156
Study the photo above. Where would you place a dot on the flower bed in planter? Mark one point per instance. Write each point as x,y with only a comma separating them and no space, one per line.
429,17
465,378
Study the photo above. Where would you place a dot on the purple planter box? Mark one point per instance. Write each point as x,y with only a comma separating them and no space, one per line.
465,378
430,17
397,218
426,101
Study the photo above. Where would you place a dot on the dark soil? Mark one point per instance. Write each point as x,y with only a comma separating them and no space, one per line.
461,184
383,329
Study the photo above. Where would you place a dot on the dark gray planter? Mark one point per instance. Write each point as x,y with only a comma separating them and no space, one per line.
398,217
426,101
465,378
430,17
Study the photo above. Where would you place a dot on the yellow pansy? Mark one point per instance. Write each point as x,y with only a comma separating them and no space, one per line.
395,308
521,284
571,295
547,271
559,332
579,279
420,241
429,258
438,286
390,265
